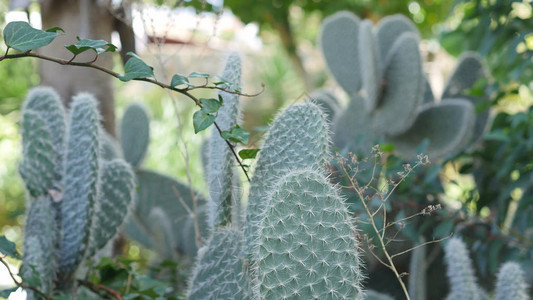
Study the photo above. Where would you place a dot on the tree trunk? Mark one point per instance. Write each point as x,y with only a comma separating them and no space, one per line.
87,19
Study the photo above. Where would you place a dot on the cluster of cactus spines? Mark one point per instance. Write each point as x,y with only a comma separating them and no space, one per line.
290,144
306,247
135,134
80,181
71,196
511,283
220,178
219,265
171,200
417,273
291,200
463,282
381,71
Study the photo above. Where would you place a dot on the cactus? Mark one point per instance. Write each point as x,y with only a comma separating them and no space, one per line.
327,102
71,190
163,205
307,247
417,273
289,144
221,161
218,269
511,283
463,283
390,98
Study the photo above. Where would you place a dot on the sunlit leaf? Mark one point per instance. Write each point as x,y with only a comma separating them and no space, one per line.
179,79
136,68
248,153
237,135
202,120
198,75
210,106
98,46
8,248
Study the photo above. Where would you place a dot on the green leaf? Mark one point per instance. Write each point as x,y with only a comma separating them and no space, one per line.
8,248
21,36
198,75
97,45
136,68
201,120
248,153
55,29
237,135
210,106
5,293
179,79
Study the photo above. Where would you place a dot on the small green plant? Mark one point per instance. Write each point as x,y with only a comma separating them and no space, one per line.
77,200
390,100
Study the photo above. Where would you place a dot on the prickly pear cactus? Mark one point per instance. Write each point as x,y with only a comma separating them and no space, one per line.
77,200
135,134
390,98
290,144
307,247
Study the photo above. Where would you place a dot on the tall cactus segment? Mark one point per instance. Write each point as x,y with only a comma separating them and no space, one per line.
297,139
417,273
116,194
135,134
218,270
463,283
221,162
63,173
38,167
80,180
394,99
342,30
307,247
511,283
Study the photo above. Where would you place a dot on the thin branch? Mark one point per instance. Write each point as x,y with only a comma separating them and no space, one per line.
99,287
21,284
423,244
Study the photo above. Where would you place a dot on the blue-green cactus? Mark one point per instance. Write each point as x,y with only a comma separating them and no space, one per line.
306,247
381,71
463,283
511,283
70,215
135,134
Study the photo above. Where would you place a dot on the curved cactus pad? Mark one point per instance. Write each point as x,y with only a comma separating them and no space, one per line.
135,134
389,29
428,92
298,138
469,69
339,42
446,125
463,283
38,167
218,270
370,69
221,162
172,197
116,194
511,283
403,87
307,247
82,162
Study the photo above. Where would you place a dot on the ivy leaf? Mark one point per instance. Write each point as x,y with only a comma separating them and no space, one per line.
210,105
21,36
198,75
248,153
85,44
8,248
136,68
179,79
237,135
5,293
202,120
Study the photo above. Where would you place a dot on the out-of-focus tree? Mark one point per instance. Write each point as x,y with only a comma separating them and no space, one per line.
276,15
500,30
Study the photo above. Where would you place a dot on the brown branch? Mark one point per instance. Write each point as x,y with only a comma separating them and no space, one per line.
21,284
99,287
